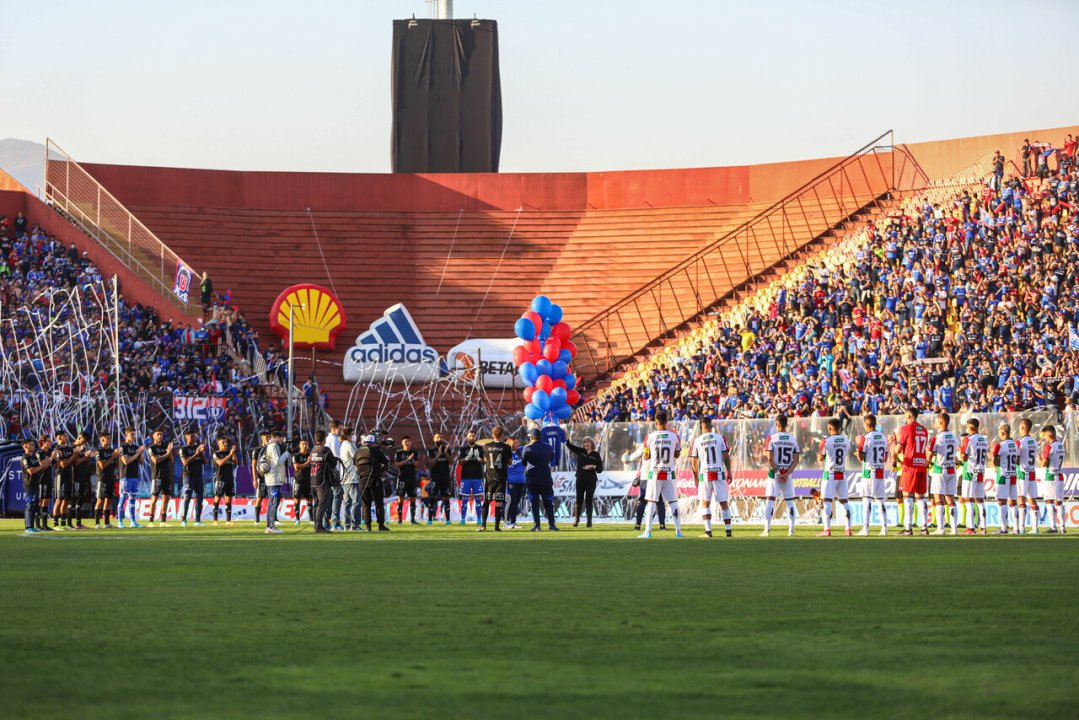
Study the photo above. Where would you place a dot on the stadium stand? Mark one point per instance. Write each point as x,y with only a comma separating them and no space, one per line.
966,303
55,339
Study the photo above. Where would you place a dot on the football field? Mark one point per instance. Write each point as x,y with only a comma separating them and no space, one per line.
444,622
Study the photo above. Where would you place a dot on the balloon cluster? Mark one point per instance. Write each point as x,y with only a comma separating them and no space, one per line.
543,360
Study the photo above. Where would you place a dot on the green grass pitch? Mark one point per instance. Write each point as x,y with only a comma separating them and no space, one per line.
444,622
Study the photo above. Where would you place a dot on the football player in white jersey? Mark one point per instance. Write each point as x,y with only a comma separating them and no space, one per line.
1027,478
783,457
973,452
661,449
711,460
942,477
834,451
1052,459
873,452
1004,454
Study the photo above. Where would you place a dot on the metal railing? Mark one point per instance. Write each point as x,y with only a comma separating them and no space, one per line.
736,258
70,189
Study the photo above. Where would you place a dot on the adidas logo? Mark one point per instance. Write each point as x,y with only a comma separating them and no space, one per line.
392,345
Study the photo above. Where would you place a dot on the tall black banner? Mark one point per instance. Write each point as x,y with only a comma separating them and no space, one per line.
447,96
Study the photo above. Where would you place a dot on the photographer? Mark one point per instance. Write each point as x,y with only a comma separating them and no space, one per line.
369,462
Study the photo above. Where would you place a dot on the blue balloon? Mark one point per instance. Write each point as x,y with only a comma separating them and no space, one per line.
558,370
532,412
541,305
563,412
524,329
529,372
571,381
565,356
557,398
542,400
543,367
545,331
555,315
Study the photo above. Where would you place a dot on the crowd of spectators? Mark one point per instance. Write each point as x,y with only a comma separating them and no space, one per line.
969,303
55,316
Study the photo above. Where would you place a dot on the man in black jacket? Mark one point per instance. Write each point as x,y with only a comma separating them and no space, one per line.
370,463
322,461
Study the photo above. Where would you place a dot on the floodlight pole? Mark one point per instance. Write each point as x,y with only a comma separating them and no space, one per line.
289,383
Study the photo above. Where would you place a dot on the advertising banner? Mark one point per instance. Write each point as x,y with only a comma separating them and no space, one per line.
198,409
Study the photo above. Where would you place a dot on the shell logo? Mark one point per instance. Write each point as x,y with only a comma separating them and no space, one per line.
318,314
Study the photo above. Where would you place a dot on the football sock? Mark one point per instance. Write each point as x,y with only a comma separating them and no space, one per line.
727,517
827,515
940,516
1035,520
908,513
120,509
846,513
649,514
883,515
972,519
498,514
924,508
769,510
707,517
228,510
1060,517
1020,518
676,516
412,509
464,510
131,506
867,511
258,509
983,515
483,514
1003,516
790,514
953,517
216,505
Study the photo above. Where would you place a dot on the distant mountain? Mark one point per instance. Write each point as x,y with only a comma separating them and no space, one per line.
23,160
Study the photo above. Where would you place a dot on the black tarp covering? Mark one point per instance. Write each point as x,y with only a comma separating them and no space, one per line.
447,96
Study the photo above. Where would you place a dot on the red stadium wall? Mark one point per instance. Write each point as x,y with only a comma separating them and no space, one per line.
943,158
132,287
452,192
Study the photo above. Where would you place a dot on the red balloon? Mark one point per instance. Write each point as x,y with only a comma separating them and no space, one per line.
545,383
534,347
569,345
520,355
536,320
572,397
560,383
562,331
534,358
551,350
528,394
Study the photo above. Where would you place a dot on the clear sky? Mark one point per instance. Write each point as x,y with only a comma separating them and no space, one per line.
587,84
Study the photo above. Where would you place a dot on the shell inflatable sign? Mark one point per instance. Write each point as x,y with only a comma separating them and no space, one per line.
318,315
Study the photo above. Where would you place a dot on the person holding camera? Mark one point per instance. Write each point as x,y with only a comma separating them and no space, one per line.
370,462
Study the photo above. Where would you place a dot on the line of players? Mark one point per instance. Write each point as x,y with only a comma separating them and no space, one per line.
57,476
910,448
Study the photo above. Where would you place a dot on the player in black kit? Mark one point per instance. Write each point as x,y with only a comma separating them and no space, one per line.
497,459
225,478
440,488
301,480
405,460
84,468
193,459
107,459
160,474
65,480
